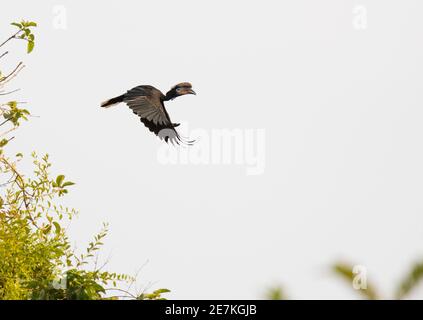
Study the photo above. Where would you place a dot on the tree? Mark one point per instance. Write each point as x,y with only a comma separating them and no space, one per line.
37,260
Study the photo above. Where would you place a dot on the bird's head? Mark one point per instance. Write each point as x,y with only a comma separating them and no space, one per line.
180,89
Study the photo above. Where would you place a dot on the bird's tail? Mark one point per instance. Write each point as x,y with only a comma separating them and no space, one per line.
111,102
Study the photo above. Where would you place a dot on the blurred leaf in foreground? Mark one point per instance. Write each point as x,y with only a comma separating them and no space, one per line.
356,278
410,282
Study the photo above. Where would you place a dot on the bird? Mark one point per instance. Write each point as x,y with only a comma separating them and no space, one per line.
147,102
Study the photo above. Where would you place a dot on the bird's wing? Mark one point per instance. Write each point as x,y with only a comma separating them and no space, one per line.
145,101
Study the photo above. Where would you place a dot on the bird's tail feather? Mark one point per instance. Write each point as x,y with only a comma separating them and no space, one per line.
112,102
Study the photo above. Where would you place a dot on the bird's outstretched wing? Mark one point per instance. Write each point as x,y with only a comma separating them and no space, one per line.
146,102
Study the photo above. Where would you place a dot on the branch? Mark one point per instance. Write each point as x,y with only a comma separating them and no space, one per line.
129,294
1,56
6,93
3,134
11,75
4,122
10,38
19,180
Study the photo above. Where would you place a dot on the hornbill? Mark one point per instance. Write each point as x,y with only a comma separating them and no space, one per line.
148,103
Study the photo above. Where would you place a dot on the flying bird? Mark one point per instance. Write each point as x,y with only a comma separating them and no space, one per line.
147,102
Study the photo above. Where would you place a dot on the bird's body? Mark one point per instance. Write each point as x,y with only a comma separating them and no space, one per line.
148,103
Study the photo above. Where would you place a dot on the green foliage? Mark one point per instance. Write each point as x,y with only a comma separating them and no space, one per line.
29,251
34,248
11,111
25,33
61,185
14,114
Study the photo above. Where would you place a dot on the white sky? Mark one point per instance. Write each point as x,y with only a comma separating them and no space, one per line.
341,109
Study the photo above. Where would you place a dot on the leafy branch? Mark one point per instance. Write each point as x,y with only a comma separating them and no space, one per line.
24,33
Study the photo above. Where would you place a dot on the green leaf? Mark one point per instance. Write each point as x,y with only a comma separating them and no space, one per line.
275,293
3,142
57,226
47,229
30,46
12,104
59,180
159,291
68,183
16,24
411,281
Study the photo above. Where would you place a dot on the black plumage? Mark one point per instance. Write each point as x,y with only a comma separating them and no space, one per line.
148,103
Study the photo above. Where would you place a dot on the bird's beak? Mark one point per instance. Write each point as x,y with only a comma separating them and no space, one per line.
190,91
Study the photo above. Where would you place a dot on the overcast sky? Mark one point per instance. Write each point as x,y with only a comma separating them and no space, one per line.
327,95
